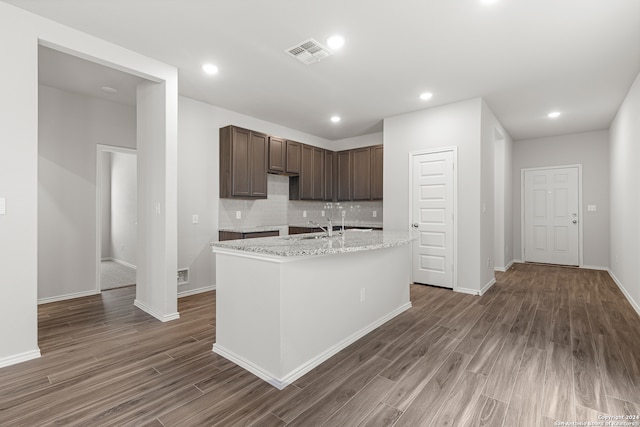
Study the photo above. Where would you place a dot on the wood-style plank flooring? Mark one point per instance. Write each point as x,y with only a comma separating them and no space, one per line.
544,344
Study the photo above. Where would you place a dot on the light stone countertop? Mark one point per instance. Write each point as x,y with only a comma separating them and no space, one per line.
306,244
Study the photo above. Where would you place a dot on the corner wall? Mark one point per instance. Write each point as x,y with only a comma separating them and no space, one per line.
624,150
450,125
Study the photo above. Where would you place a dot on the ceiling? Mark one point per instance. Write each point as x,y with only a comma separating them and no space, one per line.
524,57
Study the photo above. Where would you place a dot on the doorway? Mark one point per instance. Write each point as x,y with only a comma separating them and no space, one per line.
432,207
116,237
551,220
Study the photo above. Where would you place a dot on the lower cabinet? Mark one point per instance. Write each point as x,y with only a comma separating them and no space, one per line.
234,235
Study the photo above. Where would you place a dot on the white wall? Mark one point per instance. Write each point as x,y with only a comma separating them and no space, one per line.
198,181
494,134
124,196
625,195
19,186
591,149
105,204
451,125
358,141
20,34
70,127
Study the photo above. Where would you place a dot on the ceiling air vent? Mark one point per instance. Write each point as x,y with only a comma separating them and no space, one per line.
309,51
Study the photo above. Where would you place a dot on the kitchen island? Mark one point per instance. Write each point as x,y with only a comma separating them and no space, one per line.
286,304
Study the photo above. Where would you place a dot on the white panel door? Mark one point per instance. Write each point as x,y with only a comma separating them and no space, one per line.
432,217
551,216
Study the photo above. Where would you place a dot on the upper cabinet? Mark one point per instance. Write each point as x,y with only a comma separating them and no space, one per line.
377,163
243,163
277,154
247,156
359,174
292,157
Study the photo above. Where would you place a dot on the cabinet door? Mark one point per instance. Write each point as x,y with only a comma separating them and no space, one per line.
318,174
258,171
306,172
343,174
361,173
377,163
292,163
277,153
240,162
329,169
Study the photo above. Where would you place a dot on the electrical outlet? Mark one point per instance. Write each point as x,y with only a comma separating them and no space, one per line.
158,208
238,214
488,262
344,213
322,212
195,219
375,214
304,214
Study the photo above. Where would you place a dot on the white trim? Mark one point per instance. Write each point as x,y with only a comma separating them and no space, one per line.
281,383
580,212
504,269
594,267
126,264
67,296
196,291
486,287
19,358
412,154
633,303
102,148
467,291
158,316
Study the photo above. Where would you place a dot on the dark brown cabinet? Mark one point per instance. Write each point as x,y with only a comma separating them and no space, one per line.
243,163
377,164
292,157
361,174
329,172
277,155
311,180
343,175
235,235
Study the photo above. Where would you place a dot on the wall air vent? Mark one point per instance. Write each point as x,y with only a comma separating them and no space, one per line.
309,51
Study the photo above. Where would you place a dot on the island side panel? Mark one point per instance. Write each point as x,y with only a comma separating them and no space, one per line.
322,307
248,330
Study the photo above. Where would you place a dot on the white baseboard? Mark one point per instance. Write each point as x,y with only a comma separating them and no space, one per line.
633,303
126,264
67,296
281,383
196,291
19,358
161,317
467,291
594,267
486,287
504,269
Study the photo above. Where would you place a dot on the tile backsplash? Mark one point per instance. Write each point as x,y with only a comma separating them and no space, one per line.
277,209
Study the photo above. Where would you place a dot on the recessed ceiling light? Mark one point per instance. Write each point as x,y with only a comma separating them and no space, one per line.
110,90
210,69
426,95
335,119
554,115
335,42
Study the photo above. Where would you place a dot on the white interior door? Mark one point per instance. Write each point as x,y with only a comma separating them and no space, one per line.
433,195
551,215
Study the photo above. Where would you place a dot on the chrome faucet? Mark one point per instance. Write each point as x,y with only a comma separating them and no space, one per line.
328,230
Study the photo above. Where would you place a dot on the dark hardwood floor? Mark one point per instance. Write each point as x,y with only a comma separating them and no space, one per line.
544,344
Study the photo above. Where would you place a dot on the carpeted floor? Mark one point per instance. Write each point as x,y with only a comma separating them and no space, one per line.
114,275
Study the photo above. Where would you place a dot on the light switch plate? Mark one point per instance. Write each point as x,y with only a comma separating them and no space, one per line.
592,208
3,206
195,219
375,214
238,214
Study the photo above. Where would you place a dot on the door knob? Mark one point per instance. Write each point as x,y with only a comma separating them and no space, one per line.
575,221
414,225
